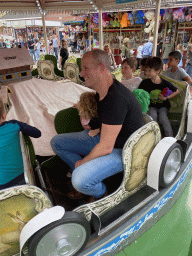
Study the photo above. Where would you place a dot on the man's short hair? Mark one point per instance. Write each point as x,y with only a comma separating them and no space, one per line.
154,63
176,55
99,57
132,62
2,108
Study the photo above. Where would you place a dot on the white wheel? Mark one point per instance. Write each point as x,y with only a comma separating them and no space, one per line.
171,165
65,237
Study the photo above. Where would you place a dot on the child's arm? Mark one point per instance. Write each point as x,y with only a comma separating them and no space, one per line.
174,94
28,129
93,133
188,79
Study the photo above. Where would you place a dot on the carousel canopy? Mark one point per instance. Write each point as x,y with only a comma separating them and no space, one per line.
84,6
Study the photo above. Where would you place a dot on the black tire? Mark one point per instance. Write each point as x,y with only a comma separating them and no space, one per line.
71,221
167,175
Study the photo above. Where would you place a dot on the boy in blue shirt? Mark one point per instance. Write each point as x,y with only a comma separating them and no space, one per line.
11,162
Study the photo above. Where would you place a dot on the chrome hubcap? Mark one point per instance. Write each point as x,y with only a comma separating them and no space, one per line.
63,240
172,165
63,247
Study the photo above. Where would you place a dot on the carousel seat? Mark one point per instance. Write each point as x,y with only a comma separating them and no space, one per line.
20,203
71,72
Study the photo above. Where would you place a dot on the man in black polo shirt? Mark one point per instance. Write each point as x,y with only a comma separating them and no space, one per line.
119,114
31,45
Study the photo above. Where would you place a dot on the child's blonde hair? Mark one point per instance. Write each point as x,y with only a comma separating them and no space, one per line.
87,106
2,108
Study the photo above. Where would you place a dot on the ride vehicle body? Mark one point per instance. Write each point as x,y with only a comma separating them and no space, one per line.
156,173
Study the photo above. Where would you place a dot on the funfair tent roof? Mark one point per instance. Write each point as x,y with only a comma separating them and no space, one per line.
84,6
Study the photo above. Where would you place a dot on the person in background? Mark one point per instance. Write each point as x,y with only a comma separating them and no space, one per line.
3,43
79,43
37,52
125,51
11,164
82,49
64,53
107,49
154,85
139,54
31,45
87,43
22,43
128,67
50,41
55,46
188,66
159,48
84,39
147,48
179,48
166,49
175,72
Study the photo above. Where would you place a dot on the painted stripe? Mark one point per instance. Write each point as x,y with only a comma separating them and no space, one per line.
118,240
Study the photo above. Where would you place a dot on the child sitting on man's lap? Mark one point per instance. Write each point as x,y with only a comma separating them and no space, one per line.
87,107
153,84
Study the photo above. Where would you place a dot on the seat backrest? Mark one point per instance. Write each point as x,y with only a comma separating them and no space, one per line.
67,120
177,103
45,70
71,72
72,59
136,154
18,205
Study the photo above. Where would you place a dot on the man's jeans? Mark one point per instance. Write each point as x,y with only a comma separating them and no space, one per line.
87,178
32,53
37,54
55,51
161,116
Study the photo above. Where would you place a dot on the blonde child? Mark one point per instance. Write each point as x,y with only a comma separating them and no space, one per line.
128,67
87,107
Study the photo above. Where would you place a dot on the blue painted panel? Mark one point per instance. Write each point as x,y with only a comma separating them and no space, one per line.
117,241
124,1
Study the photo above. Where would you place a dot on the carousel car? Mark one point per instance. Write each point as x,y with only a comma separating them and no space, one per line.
141,215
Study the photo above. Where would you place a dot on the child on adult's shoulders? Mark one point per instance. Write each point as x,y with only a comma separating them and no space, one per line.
128,67
175,72
159,99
